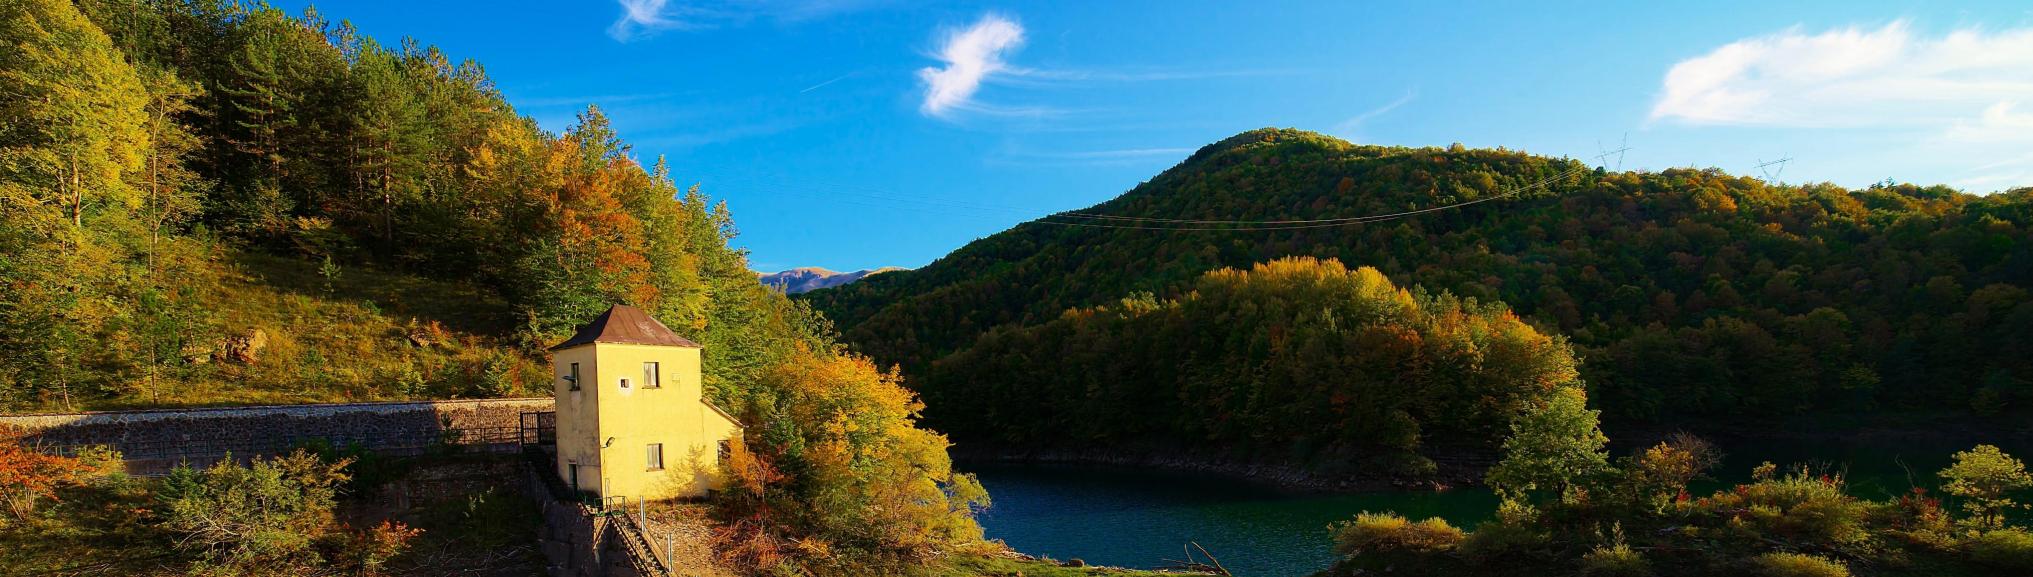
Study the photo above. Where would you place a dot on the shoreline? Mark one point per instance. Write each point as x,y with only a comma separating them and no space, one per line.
1454,471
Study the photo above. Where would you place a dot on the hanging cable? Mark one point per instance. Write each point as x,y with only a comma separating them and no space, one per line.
1154,223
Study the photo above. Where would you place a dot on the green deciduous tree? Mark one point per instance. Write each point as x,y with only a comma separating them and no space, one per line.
1985,479
72,136
1553,449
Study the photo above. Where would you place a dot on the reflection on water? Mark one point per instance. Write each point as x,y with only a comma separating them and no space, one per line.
1142,518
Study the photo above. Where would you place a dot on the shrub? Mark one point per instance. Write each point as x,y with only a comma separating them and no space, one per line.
1798,565
1496,540
1800,506
368,551
1618,560
1655,478
28,476
269,514
1379,532
2004,548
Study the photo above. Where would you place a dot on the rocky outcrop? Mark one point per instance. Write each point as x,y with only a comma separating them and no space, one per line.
244,348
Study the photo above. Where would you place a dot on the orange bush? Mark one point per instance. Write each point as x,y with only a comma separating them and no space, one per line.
28,477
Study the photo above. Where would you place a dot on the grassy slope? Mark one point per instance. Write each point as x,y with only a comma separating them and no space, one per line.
349,343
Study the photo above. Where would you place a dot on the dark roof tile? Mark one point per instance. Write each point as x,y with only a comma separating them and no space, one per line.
625,324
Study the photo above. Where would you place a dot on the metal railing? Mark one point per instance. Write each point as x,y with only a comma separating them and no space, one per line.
635,542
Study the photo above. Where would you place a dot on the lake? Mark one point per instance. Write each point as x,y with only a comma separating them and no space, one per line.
1141,518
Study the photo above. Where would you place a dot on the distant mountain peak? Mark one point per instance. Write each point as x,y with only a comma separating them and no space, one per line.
811,278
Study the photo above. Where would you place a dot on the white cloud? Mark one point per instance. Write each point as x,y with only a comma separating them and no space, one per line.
1850,77
971,56
1348,127
1956,98
2001,122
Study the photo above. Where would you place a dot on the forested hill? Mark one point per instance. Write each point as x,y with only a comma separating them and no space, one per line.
1689,293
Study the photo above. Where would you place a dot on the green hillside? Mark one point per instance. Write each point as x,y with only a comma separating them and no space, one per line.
1690,294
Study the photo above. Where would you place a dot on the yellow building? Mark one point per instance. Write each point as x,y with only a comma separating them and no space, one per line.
633,419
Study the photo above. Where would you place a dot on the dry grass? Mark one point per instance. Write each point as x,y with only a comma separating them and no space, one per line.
349,343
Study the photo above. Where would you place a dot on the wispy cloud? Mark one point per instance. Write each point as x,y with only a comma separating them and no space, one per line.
1354,123
697,138
971,56
641,18
1105,157
1850,77
823,84
1145,75
1123,153
602,100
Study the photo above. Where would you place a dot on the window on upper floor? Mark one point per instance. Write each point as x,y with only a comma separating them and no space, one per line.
574,377
650,377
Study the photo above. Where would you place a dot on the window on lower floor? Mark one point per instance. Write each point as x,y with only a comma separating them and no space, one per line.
726,448
656,456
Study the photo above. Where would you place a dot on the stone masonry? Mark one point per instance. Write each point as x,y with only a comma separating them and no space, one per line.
151,438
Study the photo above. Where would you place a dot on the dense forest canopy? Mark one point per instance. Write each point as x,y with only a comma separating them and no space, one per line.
149,146
1292,356
1689,294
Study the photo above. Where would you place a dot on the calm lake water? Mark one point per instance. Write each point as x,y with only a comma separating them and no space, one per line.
1142,518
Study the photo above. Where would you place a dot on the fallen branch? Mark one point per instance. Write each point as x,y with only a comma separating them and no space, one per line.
1211,567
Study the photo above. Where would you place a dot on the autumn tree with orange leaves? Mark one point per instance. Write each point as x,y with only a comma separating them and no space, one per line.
835,477
29,477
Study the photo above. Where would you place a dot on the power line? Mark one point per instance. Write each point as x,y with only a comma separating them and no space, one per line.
1771,175
1263,225
1541,182
1622,147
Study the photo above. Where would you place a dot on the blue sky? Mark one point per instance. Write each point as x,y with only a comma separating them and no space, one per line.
860,133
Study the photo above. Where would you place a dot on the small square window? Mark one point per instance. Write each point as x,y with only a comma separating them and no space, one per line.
574,377
624,383
656,456
650,377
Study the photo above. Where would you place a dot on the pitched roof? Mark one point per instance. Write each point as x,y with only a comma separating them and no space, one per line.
625,324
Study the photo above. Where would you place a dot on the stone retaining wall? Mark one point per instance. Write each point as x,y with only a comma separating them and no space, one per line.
198,434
